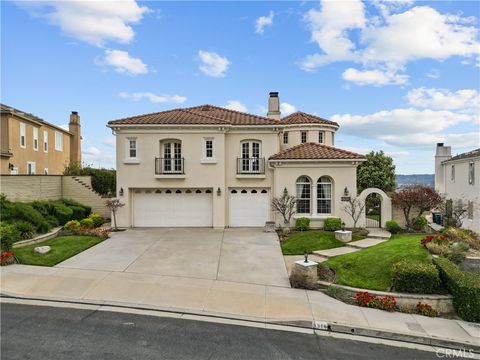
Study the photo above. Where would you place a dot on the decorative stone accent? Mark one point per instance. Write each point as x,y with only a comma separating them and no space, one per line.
270,226
307,269
42,249
343,235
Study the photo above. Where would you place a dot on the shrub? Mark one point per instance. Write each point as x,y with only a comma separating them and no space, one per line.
21,211
463,235
8,235
332,224
72,225
414,277
456,256
78,212
302,224
87,222
97,219
387,302
103,180
52,221
7,258
437,249
102,233
25,229
392,226
464,286
62,213
5,208
419,223
72,203
426,310
43,207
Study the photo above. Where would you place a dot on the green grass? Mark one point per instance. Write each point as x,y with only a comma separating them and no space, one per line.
371,268
312,240
63,247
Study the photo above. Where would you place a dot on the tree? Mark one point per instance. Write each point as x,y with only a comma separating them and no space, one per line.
377,172
355,208
114,205
103,180
419,197
285,205
454,212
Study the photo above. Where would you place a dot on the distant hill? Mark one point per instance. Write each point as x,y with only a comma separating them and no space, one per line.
415,179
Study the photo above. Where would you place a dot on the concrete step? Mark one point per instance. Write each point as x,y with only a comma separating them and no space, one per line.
365,243
335,251
378,233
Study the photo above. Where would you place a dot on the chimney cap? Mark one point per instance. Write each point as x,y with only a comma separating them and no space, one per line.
74,112
439,144
273,93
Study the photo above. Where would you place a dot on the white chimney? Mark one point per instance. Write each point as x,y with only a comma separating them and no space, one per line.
442,153
273,106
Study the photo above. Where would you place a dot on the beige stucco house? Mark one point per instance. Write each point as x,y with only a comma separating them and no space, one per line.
30,145
214,167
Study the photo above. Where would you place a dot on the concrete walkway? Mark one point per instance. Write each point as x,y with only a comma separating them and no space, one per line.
263,303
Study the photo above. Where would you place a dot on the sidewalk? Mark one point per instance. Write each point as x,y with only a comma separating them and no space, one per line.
267,304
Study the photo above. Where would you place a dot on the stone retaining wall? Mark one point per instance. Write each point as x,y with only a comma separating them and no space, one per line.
471,264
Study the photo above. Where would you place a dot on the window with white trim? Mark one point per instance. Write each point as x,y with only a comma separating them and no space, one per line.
132,148
208,148
324,195
471,173
58,141
45,141
285,137
321,137
23,139
30,168
452,173
35,139
45,171
303,136
304,190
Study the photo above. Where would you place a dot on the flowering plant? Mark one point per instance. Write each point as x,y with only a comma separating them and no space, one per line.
7,258
364,298
442,239
426,310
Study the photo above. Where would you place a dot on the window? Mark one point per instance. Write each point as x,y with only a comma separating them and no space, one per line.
250,161
23,141
45,141
285,137
303,195
58,141
452,173
303,135
471,173
209,148
321,136
45,171
30,168
35,139
132,148
324,195
172,157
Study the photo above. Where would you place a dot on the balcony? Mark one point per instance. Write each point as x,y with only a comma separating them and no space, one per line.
250,167
170,167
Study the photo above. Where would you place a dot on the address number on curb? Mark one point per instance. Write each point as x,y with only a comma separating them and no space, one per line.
320,325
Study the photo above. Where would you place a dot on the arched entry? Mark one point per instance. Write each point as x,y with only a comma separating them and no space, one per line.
378,207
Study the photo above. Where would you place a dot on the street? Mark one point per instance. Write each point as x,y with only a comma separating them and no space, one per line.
38,332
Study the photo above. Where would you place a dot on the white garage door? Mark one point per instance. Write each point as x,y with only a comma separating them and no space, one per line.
249,207
172,207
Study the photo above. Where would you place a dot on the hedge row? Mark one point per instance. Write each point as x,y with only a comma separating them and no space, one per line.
464,286
415,277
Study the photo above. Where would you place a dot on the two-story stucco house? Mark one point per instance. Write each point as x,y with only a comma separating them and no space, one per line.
213,167
457,179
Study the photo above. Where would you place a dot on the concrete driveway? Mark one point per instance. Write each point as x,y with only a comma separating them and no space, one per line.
237,255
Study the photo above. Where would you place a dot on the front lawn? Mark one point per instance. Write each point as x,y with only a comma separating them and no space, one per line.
371,268
312,240
63,247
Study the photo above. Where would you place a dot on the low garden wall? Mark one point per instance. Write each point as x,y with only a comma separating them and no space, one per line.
471,264
443,304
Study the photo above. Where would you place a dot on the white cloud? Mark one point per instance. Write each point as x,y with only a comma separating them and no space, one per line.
124,63
236,105
287,109
374,77
92,150
137,96
264,21
433,74
443,99
94,22
111,141
397,154
213,64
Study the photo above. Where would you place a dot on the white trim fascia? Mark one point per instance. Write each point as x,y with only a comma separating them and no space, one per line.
288,126
456,161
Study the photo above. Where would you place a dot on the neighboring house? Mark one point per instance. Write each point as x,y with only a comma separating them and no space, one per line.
30,145
210,166
458,179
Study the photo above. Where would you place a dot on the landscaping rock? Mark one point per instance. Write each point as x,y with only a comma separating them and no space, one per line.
42,249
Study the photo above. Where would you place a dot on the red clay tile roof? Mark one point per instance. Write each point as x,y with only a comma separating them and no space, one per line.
314,151
198,115
304,118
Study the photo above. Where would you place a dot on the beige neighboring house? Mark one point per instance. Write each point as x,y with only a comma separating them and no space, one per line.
208,166
458,179
30,145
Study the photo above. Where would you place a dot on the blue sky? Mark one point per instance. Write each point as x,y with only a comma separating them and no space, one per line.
398,76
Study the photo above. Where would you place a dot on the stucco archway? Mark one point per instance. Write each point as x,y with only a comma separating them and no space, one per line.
386,207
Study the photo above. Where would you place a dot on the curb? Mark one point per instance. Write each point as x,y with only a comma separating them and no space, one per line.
316,325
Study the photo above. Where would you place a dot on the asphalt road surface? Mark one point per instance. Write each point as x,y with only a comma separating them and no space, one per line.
51,333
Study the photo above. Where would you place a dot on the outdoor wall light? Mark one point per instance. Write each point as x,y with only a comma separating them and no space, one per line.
121,191
346,192
343,226
305,254
10,166
219,192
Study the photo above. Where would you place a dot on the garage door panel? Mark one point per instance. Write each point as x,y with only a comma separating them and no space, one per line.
171,210
248,209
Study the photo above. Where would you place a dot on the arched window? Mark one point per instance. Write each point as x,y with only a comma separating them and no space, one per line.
251,154
171,151
303,195
324,195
